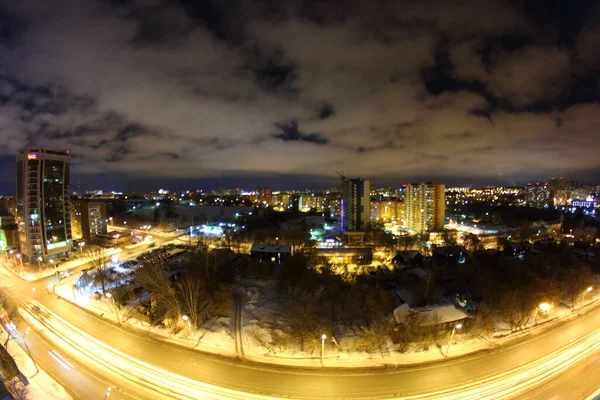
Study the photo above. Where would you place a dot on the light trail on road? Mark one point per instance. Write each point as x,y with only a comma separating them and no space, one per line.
82,346
501,386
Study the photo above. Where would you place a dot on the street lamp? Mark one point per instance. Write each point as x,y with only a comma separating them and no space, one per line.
545,307
81,244
588,290
18,255
110,296
454,328
187,320
323,337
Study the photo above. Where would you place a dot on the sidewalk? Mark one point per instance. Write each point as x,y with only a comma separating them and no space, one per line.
41,385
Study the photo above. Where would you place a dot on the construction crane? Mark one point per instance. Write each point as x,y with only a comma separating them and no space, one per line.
342,179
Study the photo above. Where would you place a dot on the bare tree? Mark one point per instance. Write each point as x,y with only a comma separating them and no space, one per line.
578,279
517,306
165,297
195,299
99,262
17,389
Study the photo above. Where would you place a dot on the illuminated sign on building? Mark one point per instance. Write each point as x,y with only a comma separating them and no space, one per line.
32,156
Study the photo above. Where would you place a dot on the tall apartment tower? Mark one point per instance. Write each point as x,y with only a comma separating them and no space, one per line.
43,210
356,205
425,207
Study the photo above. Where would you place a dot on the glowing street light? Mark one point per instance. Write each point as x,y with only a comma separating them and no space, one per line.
323,337
187,320
588,290
454,328
545,307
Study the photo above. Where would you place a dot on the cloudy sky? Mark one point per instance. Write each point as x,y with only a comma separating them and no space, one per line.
174,93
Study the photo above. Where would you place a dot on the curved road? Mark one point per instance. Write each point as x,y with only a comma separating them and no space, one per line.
318,383
311,383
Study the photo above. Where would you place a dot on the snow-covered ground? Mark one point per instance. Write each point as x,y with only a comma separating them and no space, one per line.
41,385
261,320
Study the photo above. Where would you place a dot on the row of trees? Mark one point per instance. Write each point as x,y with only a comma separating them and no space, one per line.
199,288
315,302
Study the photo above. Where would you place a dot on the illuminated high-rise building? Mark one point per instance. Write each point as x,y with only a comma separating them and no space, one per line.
425,207
356,205
88,219
43,209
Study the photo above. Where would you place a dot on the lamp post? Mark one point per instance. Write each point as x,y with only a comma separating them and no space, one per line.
81,244
545,307
18,255
588,290
454,328
323,337
110,296
187,320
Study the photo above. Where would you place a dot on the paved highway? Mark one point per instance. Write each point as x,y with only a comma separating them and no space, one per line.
288,382
579,382
314,383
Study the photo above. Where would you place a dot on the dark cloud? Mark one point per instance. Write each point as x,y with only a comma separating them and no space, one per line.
381,89
290,133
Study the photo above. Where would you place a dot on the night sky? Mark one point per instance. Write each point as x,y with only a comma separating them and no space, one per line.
189,93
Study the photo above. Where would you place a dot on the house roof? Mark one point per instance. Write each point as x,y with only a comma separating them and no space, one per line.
407,254
343,251
435,314
266,248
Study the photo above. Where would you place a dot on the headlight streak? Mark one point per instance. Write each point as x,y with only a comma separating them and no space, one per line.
60,359
499,386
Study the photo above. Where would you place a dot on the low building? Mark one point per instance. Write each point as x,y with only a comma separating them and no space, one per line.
450,254
408,259
344,255
444,316
545,245
517,249
114,239
270,253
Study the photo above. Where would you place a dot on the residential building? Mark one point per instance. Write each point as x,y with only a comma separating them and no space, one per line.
443,316
43,210
356,205
88,219
537,195
344,255
384,210
425,207
9,238
270,253
8,204
311,202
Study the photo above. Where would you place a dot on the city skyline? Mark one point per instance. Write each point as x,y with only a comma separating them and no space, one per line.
180,94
